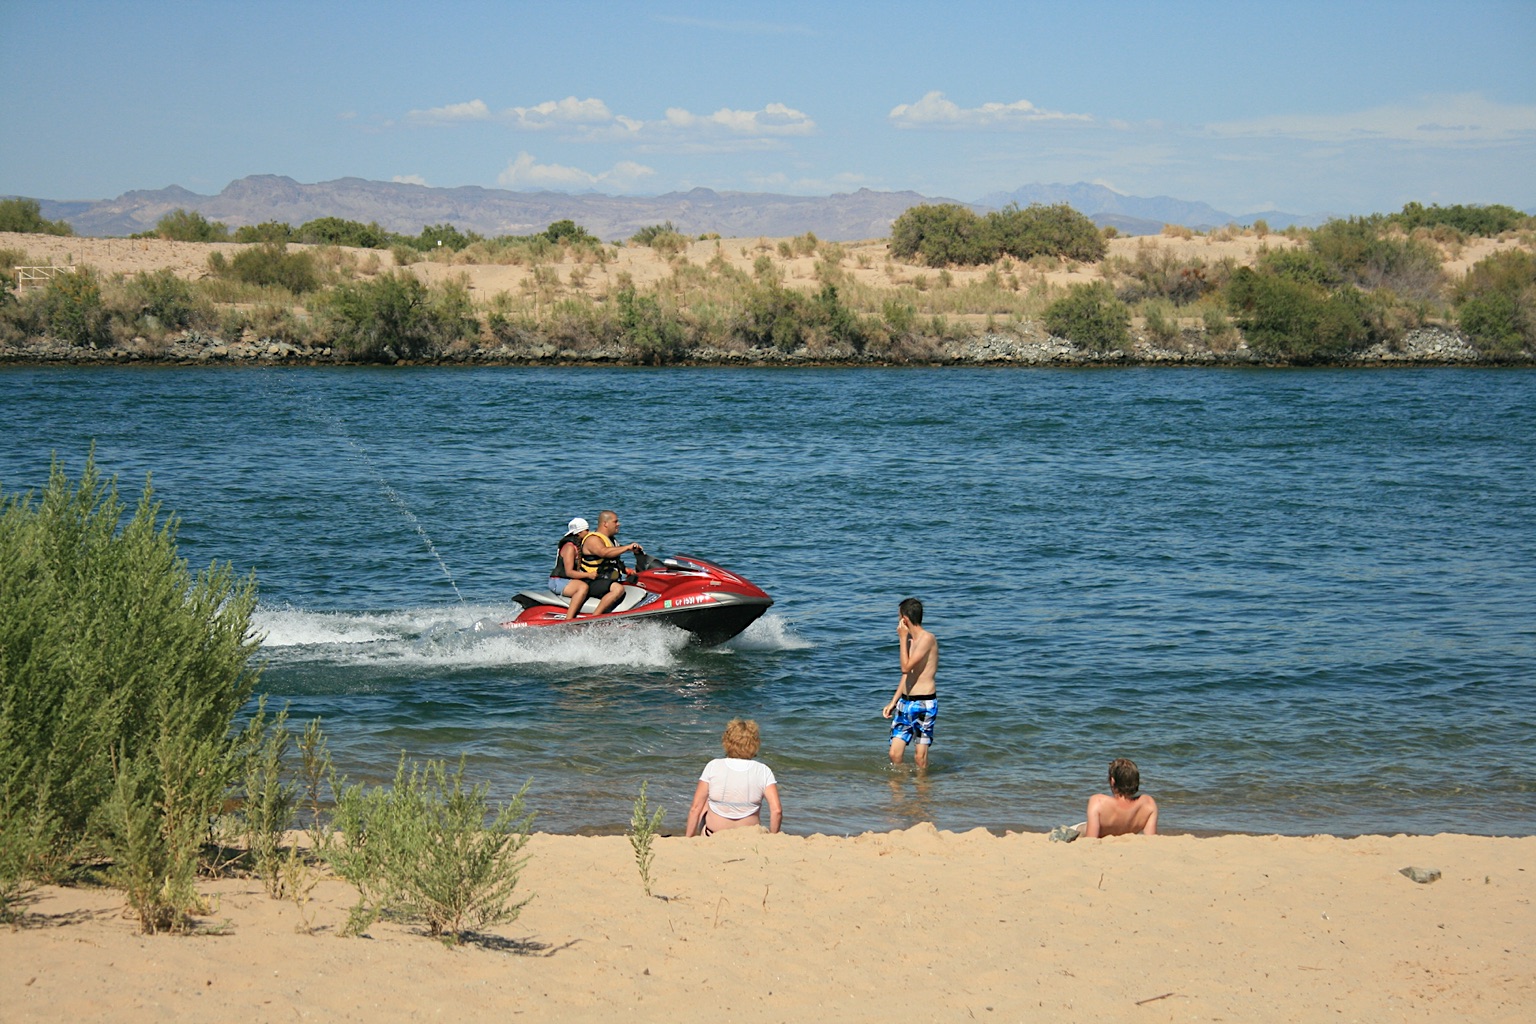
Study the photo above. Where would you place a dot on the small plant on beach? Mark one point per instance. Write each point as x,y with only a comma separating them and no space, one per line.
431,848
269,799
643,827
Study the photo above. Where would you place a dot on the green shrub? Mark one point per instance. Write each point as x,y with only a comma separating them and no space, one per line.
1039,230
1510,272
947,234
1090,316
336,231
395,317
270,264
430,848
941,234
270,800
72,310
655,338
1298,321
443,236
1359,251
266,231
1162,324
1489,220
120,676
1499,323
165,298
187,226
569,232
25,215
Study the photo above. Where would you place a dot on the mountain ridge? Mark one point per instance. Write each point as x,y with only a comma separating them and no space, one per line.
406,207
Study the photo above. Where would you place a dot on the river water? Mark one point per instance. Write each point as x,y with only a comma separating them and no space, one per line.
1301,600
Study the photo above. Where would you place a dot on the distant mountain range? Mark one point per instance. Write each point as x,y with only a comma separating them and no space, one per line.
406,208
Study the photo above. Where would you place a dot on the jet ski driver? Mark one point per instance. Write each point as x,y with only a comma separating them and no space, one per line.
601,557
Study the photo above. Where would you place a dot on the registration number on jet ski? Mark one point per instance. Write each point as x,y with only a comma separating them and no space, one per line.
684,602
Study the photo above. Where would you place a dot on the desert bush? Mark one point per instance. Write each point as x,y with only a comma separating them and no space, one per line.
1497,303
568,232
430,848
187,226
664,238
396,317
25,215
1090,316
1158,273
1299,321
443,236
72,310
940,235
1162,322
120,676
948,234
1055,230
336,231
266,231
164,300
1359,251
1494,219
655,338
269,265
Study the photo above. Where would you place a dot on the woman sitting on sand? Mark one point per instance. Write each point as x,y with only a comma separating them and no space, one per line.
732,788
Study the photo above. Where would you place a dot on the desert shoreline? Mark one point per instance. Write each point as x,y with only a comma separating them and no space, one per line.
989,341
937,925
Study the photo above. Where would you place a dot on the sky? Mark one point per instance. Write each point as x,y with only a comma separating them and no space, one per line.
1306,107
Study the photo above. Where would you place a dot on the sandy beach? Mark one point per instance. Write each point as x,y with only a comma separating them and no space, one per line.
922,924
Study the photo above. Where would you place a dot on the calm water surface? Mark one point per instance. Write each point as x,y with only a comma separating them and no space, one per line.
1301,600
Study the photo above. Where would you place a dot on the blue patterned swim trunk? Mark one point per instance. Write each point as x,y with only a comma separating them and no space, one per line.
915,718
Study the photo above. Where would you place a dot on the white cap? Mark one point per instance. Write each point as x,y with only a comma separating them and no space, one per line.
576,525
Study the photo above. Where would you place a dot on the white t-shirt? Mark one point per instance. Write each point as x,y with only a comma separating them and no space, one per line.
736,786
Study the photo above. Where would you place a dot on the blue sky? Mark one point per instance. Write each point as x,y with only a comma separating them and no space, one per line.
1306,107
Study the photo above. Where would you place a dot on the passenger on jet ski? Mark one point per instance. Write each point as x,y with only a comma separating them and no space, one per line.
567,579
601,557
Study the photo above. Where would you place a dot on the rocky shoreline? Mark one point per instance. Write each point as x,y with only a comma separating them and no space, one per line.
1029,347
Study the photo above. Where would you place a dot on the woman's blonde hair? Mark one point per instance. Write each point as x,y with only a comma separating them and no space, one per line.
741,738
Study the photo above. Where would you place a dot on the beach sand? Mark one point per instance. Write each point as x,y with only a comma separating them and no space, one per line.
918,925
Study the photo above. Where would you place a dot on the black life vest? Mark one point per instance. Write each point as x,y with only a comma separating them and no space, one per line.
570,538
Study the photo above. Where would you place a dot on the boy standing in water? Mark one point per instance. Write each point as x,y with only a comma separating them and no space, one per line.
915,703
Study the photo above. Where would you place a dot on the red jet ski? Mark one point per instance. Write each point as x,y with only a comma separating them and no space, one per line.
712,603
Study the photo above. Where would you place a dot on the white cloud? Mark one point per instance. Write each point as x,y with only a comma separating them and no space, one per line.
453,113
526,172
934,110
408,179
540,116
558,113
1435,121
591,120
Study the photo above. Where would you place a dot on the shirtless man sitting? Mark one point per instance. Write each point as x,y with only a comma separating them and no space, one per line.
1121,812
